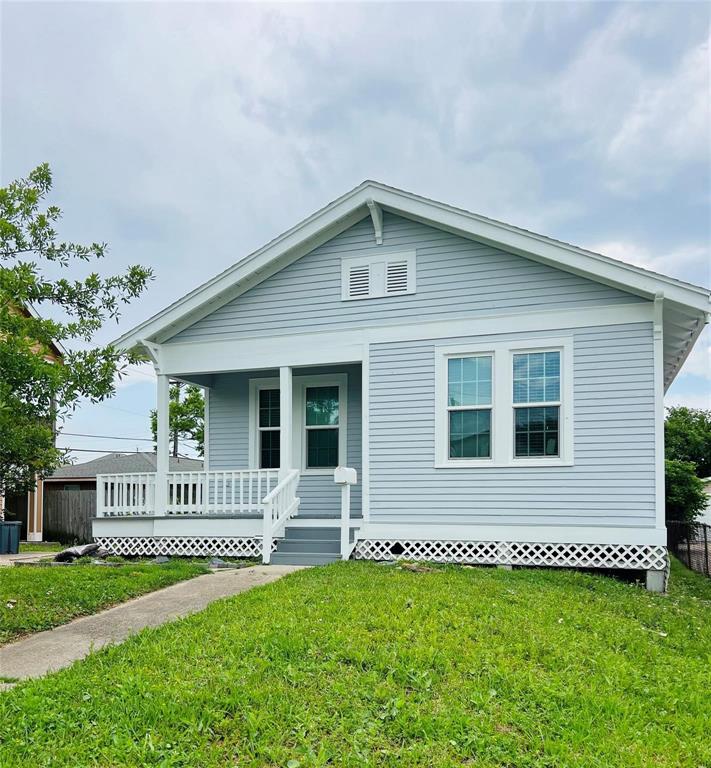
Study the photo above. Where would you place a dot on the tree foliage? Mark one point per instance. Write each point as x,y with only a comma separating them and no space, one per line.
685,495
186,418
35,387
687,435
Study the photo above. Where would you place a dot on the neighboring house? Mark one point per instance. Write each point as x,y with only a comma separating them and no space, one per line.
70,492
500,394
28,507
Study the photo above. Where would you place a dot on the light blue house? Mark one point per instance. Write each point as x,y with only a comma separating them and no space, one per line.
499,394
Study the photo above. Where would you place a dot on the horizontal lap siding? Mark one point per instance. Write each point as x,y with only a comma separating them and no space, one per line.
229,436
456,277
611,482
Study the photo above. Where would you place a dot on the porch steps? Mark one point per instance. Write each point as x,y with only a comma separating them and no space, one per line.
308,546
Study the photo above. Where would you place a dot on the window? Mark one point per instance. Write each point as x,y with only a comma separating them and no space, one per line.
268,428
536,383
504,404
469,392
378,275
321,424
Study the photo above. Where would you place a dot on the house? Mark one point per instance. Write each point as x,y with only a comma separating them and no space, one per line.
28,507
705,516
70,491
498,392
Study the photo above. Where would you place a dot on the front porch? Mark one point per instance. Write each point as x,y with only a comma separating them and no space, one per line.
273,438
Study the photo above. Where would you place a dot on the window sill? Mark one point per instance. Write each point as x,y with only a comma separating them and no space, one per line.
317,472
488,464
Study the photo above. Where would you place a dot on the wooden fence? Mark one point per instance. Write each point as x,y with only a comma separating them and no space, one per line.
67,515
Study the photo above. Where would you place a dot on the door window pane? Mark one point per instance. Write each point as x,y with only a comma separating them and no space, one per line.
321,448
321,406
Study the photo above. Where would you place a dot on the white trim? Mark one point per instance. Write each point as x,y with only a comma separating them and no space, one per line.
346,346
377,263
353,206
658,362
206,430
372,529
376,214
502,430
365,431
286,403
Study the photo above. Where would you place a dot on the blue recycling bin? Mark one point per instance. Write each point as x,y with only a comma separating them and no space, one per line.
10,537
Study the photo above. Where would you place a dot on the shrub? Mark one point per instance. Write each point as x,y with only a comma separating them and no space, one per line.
685,495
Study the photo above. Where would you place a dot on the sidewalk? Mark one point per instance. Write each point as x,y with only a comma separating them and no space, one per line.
25,557
49,651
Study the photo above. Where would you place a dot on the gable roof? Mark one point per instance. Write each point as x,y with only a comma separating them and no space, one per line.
686,306
117,463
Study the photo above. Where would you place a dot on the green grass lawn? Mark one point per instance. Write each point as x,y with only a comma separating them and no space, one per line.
41,546
33,598
357,664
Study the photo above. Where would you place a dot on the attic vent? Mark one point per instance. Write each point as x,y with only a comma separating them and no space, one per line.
378,275
396,277
359,281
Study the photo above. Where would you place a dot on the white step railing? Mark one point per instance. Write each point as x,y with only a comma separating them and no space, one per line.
280,504
222,492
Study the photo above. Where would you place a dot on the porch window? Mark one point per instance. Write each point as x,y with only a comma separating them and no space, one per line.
469,400
536,403
268,426
322,427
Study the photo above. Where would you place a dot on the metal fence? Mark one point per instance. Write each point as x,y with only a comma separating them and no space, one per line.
691,543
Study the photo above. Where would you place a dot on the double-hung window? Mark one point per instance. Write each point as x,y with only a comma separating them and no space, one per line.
268,428
469,397
322,426
536,404
504,404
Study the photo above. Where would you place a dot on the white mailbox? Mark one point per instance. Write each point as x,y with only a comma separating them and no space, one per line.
345,476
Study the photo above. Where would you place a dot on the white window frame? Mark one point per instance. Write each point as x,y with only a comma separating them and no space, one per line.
300,383
377,263
502,405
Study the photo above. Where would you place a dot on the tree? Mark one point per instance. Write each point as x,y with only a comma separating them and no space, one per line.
687,436
685,495
186,416
35,388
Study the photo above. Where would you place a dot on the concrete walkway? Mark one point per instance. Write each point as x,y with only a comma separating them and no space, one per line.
49,651
25,557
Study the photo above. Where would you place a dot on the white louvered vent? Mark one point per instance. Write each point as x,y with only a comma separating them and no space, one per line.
359,281
396,277
377,275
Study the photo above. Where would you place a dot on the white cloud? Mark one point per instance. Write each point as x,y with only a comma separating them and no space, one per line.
141,373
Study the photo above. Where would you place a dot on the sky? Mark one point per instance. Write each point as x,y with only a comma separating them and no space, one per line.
186,135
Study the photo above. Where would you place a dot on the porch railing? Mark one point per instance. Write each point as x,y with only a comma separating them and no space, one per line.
280,504
222,492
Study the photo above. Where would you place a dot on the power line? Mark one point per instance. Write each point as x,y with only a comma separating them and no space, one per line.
109,437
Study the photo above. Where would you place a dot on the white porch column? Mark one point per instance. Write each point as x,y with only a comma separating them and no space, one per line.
286,399
162,447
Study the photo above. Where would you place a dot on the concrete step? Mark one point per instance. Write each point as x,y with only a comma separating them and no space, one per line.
302,558
315,546
292,533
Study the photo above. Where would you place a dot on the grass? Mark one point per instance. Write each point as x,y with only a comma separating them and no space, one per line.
41,546
357,664
33,598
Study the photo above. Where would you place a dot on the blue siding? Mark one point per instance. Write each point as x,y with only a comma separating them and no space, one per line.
229,435
456,278
611,483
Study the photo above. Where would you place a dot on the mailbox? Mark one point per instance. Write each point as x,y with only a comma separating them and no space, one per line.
345,476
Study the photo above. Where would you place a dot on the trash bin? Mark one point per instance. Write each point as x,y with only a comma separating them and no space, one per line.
10,537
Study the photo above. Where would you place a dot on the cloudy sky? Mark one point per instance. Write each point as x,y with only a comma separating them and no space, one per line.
188,134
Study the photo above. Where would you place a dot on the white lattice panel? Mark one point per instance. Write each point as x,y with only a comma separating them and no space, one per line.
634,557
184,546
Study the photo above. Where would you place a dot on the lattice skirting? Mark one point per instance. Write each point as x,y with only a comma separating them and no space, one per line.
186,546
631,556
